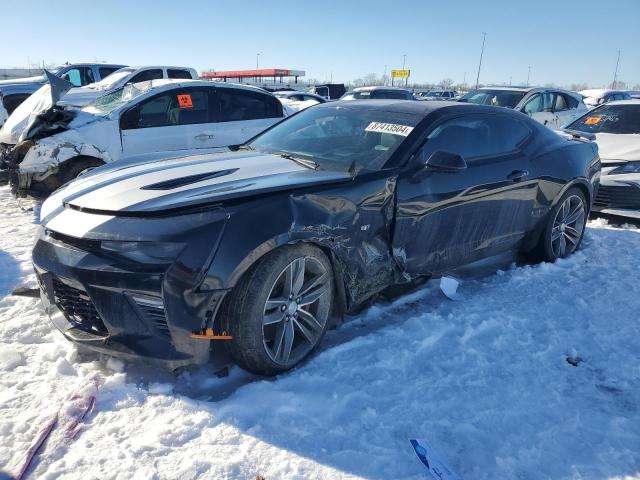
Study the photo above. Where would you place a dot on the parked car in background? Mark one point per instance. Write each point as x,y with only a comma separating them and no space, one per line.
330,91
597,96
377,93
616,127
311,218
633,93
550,106
81,96
16,91
297,101
40,101
153,116
436,95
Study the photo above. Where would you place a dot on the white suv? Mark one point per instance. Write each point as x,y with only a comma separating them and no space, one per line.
552,107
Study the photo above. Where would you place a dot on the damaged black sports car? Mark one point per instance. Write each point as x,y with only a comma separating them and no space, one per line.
264,246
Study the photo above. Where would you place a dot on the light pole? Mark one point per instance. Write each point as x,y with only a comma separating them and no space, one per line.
528,74
404,59
615,75
484,37
257,60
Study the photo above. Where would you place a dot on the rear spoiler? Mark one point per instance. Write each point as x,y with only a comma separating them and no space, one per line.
577,135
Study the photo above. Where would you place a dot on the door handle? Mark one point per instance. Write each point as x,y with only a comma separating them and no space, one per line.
517,175
204,136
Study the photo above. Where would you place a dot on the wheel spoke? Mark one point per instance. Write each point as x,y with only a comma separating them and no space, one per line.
575,215
314,294
298,268
555,233
562,246
306,333
287,343
309,320
275,303
274,317
572,234
279,340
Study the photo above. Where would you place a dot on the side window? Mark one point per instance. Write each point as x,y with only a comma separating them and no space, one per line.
174,108
178,73
541,102
389,94
106,71
79,76
477,136
146,76
234,105
560,103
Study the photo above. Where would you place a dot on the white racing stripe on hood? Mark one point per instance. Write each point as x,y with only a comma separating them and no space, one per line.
618,146
127,190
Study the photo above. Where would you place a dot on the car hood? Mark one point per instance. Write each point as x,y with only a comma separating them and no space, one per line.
80,96
184,183
20,81
618,147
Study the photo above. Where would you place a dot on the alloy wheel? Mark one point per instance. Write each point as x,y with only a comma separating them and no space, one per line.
294,315
568,226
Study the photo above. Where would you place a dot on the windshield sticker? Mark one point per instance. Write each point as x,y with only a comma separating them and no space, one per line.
184,101
392,128
593,120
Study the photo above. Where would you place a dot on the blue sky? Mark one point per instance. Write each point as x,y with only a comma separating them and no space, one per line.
563,41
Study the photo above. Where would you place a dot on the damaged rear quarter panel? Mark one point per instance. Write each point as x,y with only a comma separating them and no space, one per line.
353,224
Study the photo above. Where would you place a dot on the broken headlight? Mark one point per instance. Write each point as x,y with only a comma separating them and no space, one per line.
144,252
629,167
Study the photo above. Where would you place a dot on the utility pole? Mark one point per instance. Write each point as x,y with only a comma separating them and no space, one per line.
615,75
528,75
464,79
384,76
484,37
257,60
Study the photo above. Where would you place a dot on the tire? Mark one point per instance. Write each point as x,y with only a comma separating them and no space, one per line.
264,318
572,206
76,166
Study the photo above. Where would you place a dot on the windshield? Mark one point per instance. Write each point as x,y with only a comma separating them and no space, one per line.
497,98
339,138
110,80
620,119
108,103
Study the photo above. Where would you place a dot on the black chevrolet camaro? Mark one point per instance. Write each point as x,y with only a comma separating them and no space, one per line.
265,245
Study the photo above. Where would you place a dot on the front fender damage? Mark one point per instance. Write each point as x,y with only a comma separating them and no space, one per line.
355,226
44,159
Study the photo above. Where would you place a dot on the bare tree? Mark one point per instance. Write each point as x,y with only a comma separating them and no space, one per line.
446,83
371,79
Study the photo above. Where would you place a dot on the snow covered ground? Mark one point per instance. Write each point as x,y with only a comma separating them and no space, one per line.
484,378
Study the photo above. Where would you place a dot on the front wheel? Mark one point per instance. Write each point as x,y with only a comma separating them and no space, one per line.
278,313
565,227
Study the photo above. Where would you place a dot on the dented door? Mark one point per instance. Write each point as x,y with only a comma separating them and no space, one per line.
444,219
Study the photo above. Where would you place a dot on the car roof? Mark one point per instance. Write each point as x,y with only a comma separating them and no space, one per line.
167,83
378,87
596,92
633,101
510,89
406,106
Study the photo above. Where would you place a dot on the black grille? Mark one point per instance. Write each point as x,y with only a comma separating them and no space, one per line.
617,197
78,308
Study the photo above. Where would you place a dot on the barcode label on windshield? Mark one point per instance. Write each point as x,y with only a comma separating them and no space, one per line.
392,128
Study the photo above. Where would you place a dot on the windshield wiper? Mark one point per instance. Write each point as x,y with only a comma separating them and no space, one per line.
300,161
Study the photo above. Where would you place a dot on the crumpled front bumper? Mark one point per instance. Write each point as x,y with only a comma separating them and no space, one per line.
618,194
129,308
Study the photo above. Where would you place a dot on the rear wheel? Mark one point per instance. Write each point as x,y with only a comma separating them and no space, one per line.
278,313
565,227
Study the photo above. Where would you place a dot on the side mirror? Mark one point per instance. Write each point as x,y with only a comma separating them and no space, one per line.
442,161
